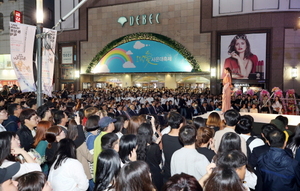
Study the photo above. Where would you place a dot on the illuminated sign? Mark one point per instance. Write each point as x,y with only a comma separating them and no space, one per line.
17,17
140,19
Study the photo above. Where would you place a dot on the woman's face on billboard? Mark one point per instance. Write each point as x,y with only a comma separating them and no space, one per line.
240,45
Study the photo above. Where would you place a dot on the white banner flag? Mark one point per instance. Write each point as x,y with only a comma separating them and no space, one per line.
21,50
48,57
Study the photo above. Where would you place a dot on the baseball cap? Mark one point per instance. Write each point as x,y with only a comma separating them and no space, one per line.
8,172
105,121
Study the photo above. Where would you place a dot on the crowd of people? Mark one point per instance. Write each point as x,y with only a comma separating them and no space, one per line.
135,139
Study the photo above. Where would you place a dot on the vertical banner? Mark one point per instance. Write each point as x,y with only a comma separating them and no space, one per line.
21,49
48,57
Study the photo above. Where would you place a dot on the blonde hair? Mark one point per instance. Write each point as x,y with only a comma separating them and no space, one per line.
90,111
213,119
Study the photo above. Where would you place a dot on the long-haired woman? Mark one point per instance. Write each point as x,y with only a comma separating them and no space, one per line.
67,173
108,167
127,149
10,153
40,143
150,152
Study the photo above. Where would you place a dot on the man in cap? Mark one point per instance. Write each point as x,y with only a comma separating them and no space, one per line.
106,125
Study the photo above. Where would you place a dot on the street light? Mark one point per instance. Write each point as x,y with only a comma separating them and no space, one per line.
39,28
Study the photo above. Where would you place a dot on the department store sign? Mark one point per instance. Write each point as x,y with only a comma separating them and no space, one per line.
140,19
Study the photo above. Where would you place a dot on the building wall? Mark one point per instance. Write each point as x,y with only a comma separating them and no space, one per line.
179,20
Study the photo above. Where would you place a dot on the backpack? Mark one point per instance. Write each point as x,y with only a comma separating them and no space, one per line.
247,144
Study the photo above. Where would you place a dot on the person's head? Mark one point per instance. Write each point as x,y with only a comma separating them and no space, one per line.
108,167
266,128
29,118
33,181
73,131
227,70
144,137
60,118
225,179
283,119
134,176
199,122
127,146
276,138
240,44
234,159
231,117
14,109
230,141
3,114
41,130
107,124
92,123
213,119
182,182
8,141
32,103
6,174
204,135
110,141
133,125
187,135
175,120
43,111
244,126
90,111
120,123
66,149
54,134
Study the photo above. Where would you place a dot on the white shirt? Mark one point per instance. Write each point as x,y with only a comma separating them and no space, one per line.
69,176
2,128
255,143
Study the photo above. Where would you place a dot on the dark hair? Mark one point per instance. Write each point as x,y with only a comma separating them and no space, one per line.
72,130
230,141
231,117
108,140
119,124
225,179
187,134
31,102
134,176
203,135
283,119
144,137
182,182
58,116
244,126
229,70
127,144
66,149
232,159
32,181
199,122
276,138
11,108
265,129
41,111
26,114
5,144
51,134
92,123
108,167
174,120
231,47
294,141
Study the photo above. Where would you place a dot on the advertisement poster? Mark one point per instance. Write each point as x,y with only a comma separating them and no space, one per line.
142,56
21,48
67,55
48,59
244,54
